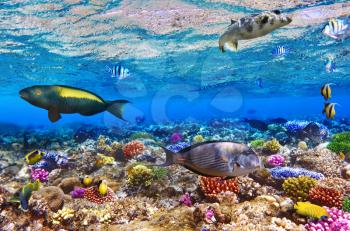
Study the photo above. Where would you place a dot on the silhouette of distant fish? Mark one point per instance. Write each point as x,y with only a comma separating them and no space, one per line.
258,124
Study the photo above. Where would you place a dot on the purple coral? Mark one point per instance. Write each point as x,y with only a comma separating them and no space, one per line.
175,138
78,193
338,221
275,160
178,147
39,174
285,172
210,215
296,127
186,200
52,160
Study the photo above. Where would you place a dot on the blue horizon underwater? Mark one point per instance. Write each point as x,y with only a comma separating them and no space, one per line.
182,115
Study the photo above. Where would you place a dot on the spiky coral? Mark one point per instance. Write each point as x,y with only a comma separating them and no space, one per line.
212,186
326,197
272,146
340,143
92,194
298,188
133,148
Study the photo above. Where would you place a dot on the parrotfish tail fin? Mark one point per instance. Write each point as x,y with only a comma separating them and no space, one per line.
117,108
232,45
170,158
222,46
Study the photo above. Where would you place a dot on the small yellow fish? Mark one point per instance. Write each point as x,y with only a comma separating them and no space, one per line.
311,210
326,91
341,156
103,188
329,109
34,157
87,181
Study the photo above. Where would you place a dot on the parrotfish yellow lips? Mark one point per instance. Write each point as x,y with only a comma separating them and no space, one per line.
24,94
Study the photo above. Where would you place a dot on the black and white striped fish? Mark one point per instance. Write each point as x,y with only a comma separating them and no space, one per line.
216,158
118,71
280,51
337,29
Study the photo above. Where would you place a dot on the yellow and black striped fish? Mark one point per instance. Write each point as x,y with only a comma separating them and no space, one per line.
34,157
64,99
329,109
311,210
326,91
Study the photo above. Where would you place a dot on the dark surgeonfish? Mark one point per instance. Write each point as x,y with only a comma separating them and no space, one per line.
59,99
258,124
216,159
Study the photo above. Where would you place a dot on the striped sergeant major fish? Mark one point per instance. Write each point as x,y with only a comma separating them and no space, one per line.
118,71
337,29
59,99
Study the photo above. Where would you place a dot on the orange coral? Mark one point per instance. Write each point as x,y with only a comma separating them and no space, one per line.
212,186
133,148
92,194
326,197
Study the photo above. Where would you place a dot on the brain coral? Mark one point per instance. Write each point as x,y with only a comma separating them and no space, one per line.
298,188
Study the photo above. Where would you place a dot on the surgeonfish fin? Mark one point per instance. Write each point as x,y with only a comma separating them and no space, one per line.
116,107
54,115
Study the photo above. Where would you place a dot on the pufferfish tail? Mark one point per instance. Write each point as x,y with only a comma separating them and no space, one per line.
116,108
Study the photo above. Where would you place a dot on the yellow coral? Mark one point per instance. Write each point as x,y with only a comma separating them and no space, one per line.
104,160
198,139
297,188
272,146
111,149
62,215
140,175
302,145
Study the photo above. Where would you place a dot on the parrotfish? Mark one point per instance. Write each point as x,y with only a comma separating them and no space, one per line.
59,99
216,158
25,193
311,210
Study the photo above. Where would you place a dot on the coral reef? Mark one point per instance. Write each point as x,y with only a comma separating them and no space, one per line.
175,138
62,216
68,184
326,197
104,160
40,174
338,221
178,147
346,204
298,188
198,139
272,146
340,143
52,160
133,149
275,160
92,194
286,172
52,195
212,186
257,143
78,193
140,175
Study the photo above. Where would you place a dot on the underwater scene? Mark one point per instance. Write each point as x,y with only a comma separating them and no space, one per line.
208,115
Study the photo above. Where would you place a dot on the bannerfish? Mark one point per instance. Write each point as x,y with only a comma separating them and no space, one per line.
59,99
216,158
34,157
25,193
250,27
337,29
326,91
329,110
310,210
257,124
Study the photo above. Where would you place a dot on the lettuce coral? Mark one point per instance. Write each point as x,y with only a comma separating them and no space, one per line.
340,143
298,188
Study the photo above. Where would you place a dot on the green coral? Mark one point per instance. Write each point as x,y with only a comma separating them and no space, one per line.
346,204
297,188
257,143
159,173
141,175
141,135
340,143
272,146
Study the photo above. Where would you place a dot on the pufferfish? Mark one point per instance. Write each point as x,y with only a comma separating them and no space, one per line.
250,27
311,210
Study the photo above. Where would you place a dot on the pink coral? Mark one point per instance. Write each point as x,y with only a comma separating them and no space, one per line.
40,174
175,137
186,200
275,160
338,221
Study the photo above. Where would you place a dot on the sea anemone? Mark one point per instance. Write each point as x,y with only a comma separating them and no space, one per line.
77,193
133,148
186,200
326,196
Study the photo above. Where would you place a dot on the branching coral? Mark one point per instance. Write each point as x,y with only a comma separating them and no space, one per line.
326,197
275,160
285,172
104,160
92,194
133,148
108,148
40,174
62,216
272,146
298,188
140,175
338,221
212,186
340,143
52,160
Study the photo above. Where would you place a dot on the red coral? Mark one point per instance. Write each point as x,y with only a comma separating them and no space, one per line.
92,194
212,186
133,148
326,197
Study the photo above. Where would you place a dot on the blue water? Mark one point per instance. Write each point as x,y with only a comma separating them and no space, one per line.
163,86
